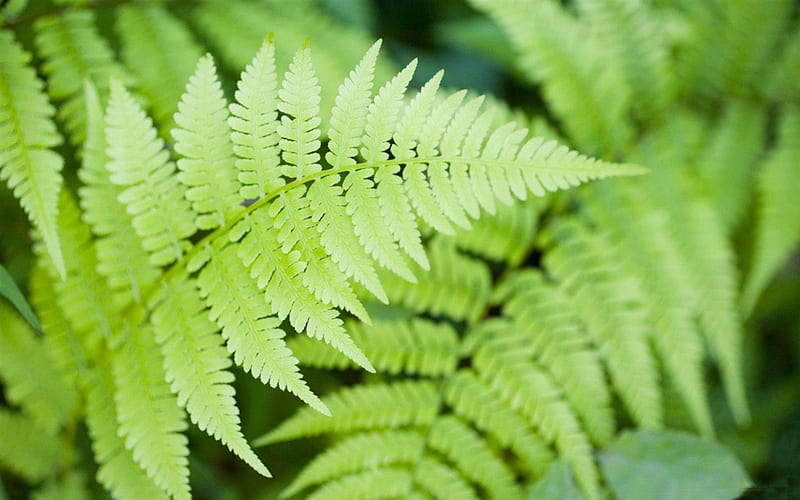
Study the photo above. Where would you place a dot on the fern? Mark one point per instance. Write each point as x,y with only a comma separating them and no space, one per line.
510,334
778,231
27,162
385,156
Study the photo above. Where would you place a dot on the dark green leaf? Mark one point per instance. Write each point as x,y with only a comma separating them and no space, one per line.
10,290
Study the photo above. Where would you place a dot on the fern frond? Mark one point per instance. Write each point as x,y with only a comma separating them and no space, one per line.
279,275
28,165
118,471
150,420
555,52
352,455
716,57
545,327
370,407
65,344
630,34
475,401
413,347
728,163
120,255
506,235
456,441
254,122
195,365
152,194
202,138
27,449
395,207
530,391
456,286
46,398
72,486
83,295
610,305
710,259
254,338
172,52
779,219
372,484
236,30
667,283
73,52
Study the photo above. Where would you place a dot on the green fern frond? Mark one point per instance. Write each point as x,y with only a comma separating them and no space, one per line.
236,30
505,236
457,286
65,345
46,398
203,139
254,338
72,486
28,165
150,420
473,400
83,296
630,32
152,195
778,226
590,101
118,471
547,330
667,283
172,53
414,347
728,163
380,483
74,51
195,366
27,449
710,259
470,453
370,407
717,58
121,257
254,122
352,454
531,392
610,305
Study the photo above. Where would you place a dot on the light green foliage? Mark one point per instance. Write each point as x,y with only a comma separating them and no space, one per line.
512,327
779,224
27,132
26,448
118,472
172,54
121,256
590,101
203,139
73,51
139,163
46,399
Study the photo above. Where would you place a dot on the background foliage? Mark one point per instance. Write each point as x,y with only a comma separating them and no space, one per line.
705,94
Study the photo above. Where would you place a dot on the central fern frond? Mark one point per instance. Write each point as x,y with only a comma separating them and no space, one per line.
253,225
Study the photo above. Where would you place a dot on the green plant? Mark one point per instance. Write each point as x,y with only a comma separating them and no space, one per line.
488,343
